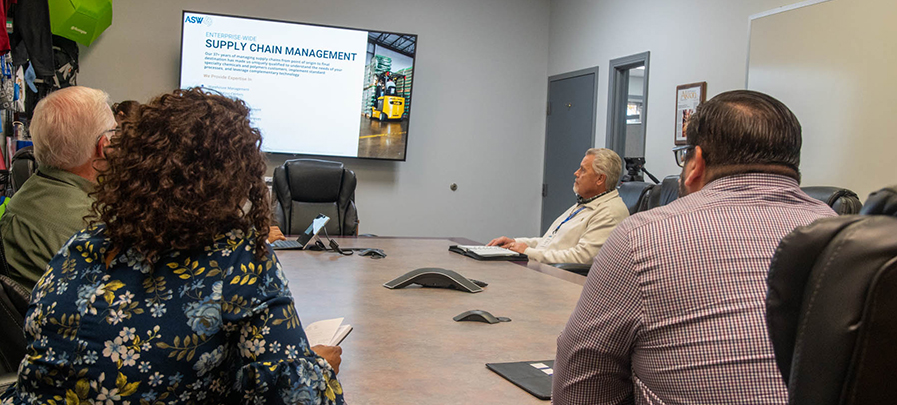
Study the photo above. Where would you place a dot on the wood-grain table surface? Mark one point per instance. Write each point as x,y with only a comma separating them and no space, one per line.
405,348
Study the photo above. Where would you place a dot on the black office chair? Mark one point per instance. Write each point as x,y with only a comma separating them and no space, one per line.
881,202
22,166
832,310
13,305
578,268
634,193
842,200
305,188
664,193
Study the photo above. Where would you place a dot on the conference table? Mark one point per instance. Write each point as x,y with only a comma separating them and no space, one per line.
405,347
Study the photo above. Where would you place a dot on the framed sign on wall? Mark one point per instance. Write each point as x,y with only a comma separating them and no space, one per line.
688,96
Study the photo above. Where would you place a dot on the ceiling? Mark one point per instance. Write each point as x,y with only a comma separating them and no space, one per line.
401,43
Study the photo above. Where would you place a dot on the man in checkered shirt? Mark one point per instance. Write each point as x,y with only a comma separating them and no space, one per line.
673,308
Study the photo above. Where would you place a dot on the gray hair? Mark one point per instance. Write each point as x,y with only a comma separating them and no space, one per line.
66,126
608,163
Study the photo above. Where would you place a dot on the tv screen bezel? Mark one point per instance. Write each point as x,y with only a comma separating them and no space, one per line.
410,93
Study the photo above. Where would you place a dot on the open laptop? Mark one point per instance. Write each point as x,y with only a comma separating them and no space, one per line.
307,239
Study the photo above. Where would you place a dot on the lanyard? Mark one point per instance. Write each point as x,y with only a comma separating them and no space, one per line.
568,218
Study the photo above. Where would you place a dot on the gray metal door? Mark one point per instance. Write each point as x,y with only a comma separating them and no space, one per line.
570,131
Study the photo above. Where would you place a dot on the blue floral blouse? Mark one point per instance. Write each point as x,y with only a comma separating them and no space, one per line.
209,326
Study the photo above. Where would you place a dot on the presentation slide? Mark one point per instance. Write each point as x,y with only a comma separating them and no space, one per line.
311,88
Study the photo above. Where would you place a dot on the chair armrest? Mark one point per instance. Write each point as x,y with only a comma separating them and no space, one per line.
578,268
6,380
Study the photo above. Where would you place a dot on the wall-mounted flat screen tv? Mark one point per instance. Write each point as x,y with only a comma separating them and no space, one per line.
313,89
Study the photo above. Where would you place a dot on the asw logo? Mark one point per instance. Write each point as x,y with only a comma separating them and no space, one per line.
199,20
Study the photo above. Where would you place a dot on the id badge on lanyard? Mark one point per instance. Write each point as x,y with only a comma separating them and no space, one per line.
573,214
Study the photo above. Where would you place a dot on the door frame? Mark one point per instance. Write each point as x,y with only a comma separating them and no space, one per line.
616,117
562,76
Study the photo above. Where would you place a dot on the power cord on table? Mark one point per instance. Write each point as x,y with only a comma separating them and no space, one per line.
333,245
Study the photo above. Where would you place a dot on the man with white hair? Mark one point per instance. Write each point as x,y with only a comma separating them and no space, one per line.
70,128
578,234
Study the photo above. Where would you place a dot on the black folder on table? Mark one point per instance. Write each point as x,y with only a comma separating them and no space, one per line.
533,376
460,249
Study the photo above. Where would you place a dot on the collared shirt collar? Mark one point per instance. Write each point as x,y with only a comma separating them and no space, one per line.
67,177
583,201
746,180
600,198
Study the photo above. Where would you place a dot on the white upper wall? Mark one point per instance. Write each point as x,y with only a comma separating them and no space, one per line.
479,102
689,40
833,81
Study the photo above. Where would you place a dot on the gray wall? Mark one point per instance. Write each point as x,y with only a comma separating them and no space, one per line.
479,102
690,41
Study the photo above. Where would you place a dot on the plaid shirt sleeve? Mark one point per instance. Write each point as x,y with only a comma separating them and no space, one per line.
593,356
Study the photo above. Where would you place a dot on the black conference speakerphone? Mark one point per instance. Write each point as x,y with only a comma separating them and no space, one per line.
437,278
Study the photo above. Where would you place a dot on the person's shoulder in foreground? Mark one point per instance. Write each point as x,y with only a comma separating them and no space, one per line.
70,129
673,307
41,216
207,325
173,294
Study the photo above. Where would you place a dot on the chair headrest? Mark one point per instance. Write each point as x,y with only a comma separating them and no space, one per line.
632,193
789,272
881,202
842,200
664,193
636,187
669,189
313,180
824,303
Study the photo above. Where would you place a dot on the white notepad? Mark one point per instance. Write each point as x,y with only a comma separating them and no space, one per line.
329,332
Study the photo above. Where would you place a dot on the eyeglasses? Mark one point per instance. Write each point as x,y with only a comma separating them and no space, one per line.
113,131
681,152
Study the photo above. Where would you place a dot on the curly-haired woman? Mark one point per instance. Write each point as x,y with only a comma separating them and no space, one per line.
172,294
